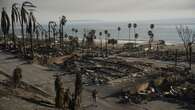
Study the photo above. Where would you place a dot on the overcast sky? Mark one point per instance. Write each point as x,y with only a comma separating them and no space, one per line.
113,10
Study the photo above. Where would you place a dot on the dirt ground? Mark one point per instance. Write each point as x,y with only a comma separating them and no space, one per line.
42,78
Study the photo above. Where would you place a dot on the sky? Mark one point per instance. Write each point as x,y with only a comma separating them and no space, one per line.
109,10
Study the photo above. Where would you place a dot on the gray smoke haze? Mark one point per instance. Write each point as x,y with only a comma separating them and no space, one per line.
113,10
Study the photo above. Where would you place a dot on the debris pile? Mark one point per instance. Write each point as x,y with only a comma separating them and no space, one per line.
110,70
175,83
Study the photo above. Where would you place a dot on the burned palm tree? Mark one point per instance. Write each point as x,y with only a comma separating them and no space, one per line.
136,37
54,30
135,34
39,31
15,17
24,19
108,36
31,29
5,25
52,26
129,26
100,34
49,31
106,41
151,35
134,27
119,29
83,40
73,30
61,30
90,38
76,31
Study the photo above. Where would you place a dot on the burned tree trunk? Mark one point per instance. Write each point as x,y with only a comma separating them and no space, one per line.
78,89
190,55
59,93
176,55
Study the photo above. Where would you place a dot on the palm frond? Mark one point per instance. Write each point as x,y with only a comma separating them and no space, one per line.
24,14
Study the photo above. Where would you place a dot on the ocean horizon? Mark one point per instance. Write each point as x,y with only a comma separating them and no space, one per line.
164,29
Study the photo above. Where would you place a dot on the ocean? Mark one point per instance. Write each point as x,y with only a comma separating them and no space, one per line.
164,29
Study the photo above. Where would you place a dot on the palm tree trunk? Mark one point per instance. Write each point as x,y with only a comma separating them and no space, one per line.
134,37
129,35
4,41
150,46
22,31
13,35
78,90
187,54
176,55
190,55
49,34
54,37
101,45
31,44
106,46
118,35
37,40
61,36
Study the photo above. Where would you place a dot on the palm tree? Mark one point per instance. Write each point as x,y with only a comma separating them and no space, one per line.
106,43
151,26
40,29
151,35
15,17
5,25
24,17
100,34
108,37
73,30
37,32
135,34
31,29
119,29
129,26
136,37
76,31
83,40
61,30
49,31
51,25
134,27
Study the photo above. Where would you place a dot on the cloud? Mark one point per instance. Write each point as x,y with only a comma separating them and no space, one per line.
110,9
